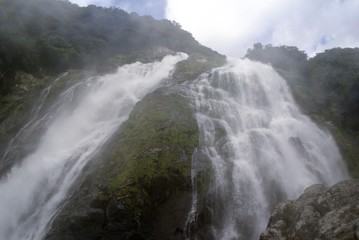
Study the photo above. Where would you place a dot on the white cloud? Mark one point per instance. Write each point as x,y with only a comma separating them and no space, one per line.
232,26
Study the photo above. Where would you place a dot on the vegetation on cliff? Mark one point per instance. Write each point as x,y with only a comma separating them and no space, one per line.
140,184
144,167
47,36
40,39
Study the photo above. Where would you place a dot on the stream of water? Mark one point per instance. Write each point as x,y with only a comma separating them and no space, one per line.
84,117
258,146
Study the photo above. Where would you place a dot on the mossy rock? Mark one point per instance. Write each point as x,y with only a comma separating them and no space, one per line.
348,143
141,180
195,65
154,152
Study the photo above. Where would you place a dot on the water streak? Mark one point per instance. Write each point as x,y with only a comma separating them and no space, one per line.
259,147
33,124
32,192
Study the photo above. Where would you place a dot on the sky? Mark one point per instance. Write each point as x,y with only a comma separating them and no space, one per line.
232,26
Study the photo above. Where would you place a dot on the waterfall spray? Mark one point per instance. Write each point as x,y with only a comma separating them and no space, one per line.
32,192
258,146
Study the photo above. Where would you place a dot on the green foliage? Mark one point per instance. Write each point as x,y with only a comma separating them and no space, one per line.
153,152
283,57
195,65
333,77
48,36
349,145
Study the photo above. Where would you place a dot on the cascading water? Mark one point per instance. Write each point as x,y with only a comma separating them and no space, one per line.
36,122
261,149
32,192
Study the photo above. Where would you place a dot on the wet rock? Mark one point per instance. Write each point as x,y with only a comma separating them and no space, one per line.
320,213
141,180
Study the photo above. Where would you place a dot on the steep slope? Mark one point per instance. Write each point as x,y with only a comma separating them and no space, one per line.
148,165
50,36
140,185
76,126
40,39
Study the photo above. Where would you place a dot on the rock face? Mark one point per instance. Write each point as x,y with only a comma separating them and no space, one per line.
320,213
139,185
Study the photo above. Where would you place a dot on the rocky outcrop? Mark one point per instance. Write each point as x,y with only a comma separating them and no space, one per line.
139,187
320,213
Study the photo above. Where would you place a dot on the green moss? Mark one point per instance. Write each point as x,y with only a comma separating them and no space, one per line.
155,146
348,143
154,152
196,64
349,146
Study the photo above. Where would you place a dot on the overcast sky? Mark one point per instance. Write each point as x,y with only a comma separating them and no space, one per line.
232,26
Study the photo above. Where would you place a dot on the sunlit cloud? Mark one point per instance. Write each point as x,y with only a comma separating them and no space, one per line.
232,26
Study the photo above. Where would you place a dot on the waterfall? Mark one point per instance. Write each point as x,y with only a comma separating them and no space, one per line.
257,145
81,120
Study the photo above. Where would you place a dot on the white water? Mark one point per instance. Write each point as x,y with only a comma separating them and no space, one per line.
34,123
261,149
32,192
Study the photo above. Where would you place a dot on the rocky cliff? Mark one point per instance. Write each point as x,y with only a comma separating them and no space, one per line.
320,213
139,185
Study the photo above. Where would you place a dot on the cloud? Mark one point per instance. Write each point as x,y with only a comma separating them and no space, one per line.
232,26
